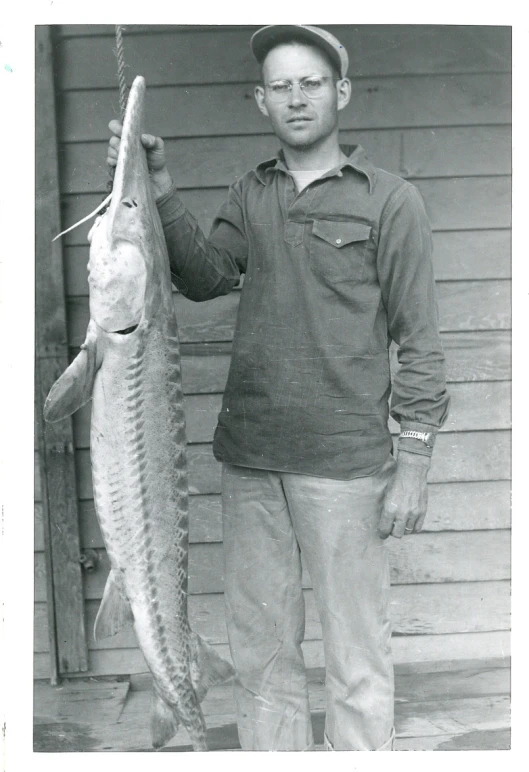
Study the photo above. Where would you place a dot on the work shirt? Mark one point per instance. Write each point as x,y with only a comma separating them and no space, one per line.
333,274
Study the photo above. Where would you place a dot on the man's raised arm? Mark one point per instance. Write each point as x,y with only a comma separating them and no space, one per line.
201,268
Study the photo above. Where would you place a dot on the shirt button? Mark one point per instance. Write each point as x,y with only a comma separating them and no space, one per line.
338,241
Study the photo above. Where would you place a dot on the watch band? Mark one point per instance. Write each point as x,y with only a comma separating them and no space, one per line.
425,437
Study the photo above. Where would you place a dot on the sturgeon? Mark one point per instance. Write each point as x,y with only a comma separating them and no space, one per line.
129,365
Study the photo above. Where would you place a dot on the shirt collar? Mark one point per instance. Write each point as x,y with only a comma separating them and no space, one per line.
356,159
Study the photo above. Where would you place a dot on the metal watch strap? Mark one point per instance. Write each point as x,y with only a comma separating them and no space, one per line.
425,437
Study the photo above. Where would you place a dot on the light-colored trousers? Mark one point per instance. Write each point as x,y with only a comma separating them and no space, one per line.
267,518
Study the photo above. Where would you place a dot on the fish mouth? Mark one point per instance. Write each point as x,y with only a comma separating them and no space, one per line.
127,331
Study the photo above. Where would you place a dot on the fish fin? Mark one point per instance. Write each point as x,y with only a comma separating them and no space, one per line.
208,668
74,388
114,612
164,721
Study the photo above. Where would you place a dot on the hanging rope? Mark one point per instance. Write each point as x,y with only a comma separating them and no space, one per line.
119,53
121,70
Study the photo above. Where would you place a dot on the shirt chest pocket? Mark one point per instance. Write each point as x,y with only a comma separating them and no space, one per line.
339,250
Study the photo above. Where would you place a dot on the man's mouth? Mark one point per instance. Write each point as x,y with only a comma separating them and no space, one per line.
299,119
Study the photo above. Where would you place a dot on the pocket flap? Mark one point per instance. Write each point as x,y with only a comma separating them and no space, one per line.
340,233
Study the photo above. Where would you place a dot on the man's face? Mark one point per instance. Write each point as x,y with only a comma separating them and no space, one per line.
299,121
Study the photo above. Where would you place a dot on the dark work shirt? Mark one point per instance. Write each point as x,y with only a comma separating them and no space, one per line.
333,274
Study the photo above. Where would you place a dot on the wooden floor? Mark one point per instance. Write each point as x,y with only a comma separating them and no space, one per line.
460,706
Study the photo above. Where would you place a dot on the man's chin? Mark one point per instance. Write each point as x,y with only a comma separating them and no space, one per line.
298,139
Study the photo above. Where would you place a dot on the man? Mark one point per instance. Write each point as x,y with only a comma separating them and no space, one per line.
337,261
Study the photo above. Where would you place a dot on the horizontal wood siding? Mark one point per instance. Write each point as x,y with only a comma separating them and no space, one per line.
431,104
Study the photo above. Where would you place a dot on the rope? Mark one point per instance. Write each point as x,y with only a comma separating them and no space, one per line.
120,55
121,70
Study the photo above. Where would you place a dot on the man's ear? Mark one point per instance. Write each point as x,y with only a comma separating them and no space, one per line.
259,98
344,92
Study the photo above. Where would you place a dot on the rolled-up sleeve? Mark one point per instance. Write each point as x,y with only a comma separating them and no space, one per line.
419,398
203,268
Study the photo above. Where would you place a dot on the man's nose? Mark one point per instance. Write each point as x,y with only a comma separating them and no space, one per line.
297,97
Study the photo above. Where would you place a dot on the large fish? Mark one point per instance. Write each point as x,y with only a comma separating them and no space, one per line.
129,365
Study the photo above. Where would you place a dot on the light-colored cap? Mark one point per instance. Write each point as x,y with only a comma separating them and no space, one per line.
268,37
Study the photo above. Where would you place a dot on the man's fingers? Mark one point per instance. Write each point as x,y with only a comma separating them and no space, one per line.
399,527
115,127
150,142
419,523
114,142
386,524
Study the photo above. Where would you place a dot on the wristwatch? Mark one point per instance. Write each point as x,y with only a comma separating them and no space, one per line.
426,437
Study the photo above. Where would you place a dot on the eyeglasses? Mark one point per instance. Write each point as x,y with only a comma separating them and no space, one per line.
313,87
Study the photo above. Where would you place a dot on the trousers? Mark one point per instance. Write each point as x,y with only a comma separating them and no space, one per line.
270,519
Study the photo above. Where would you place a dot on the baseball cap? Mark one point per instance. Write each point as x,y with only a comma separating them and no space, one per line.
265,38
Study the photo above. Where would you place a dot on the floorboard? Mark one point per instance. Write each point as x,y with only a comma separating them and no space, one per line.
463,707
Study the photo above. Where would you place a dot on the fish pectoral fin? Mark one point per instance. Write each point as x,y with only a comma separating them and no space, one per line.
74,387
114,612
164,721
209,667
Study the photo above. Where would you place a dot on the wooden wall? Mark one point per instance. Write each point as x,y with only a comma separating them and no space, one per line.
431,104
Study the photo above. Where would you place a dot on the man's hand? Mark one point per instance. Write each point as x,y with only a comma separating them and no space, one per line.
406,497
160,178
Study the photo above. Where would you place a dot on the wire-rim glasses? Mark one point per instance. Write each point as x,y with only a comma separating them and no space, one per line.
312,87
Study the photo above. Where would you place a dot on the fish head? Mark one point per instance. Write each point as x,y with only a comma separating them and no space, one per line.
128,269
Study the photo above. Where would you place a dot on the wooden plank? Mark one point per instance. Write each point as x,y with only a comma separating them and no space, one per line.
109,30
476,356
474,406
469,254
444,717
473,740
415,609
61,531
458,255
78,701
170,56
41,490
230,110
467,203
417,153
456,152
426,650
489,305
472,556
463,506
462,306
